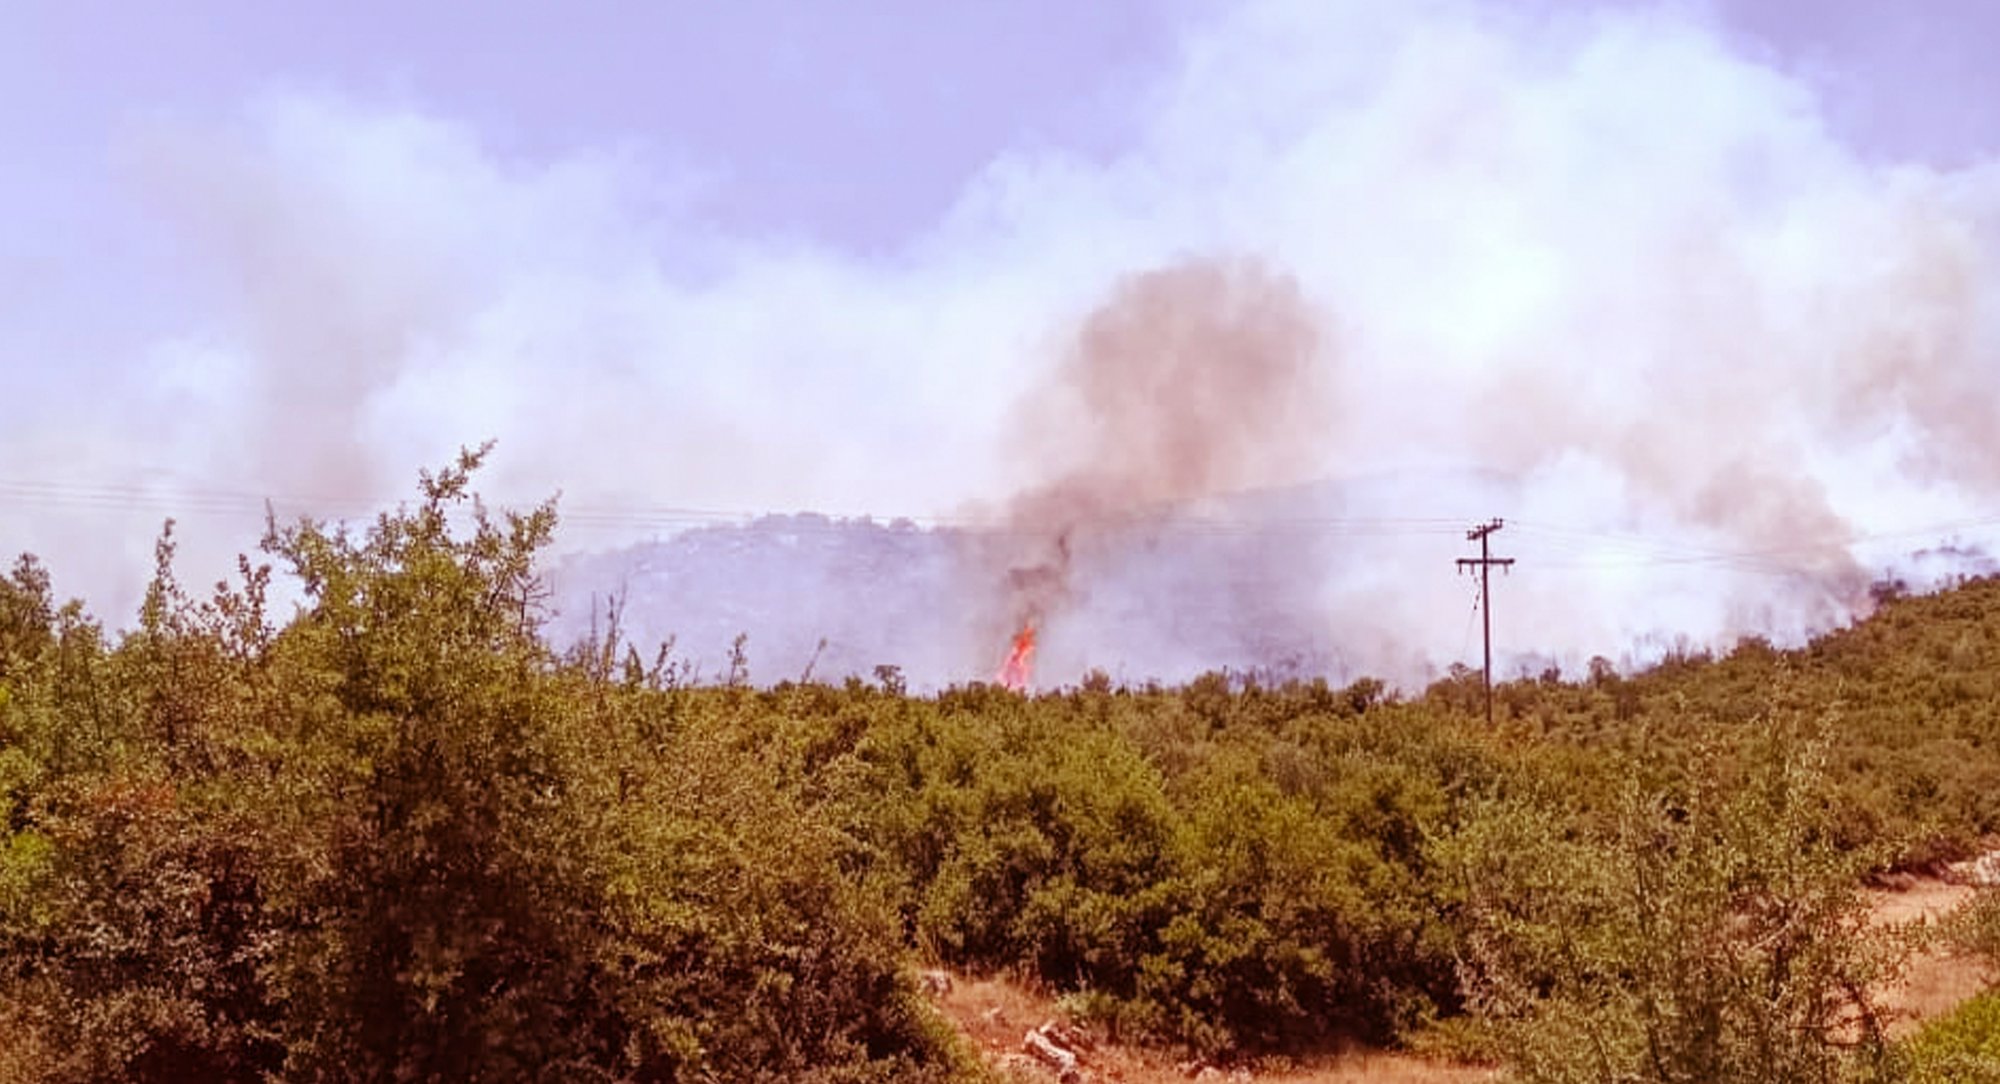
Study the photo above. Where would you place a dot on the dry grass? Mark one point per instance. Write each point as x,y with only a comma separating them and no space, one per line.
1937,980
995,1015
1917,899
1387,1069
25,1053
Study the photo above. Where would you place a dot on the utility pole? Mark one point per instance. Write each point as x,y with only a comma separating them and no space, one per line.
1484,563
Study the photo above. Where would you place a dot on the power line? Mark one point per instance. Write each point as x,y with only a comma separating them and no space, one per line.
1575,548
1471,615
126,497
1485,563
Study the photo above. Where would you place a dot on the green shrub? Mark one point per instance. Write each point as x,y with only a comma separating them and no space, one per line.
1962,1048
1975,929
134,938
396,834
1712,933
398,838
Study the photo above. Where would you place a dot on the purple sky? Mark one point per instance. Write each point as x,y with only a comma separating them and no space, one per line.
848,124
852,124
806,254
855,123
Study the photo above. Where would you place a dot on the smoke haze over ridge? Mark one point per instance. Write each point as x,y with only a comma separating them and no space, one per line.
1605,271
1194,381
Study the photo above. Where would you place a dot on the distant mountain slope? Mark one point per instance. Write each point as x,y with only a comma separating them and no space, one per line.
1285,580
877,594
1174,600
1340,578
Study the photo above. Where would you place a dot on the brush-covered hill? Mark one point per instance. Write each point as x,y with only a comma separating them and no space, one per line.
396,834
1909,698
1338,578
817,596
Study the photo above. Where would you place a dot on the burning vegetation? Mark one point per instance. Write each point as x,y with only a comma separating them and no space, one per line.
1192,381
1018,671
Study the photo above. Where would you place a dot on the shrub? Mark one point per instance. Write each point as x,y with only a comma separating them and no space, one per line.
398,838
1962,1048
1713,933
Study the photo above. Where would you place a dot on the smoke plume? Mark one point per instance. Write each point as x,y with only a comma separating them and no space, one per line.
1197,380
1357,275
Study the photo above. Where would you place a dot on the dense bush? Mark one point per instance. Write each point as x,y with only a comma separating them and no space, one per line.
1975,930
1712,931
1962,1048
1231,870
396,838
395,835
1912,696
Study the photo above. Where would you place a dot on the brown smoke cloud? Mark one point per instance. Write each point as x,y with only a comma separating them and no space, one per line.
1609,277
1200,379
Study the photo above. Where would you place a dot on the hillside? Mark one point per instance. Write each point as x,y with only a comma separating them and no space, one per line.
834,598
395,834
1338,579
1910,698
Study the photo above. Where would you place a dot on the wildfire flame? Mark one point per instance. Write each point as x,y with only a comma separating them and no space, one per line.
1020,664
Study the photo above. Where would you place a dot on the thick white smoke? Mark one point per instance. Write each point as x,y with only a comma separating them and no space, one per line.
1597,271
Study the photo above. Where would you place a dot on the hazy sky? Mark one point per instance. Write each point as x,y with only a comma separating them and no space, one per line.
793,255
855,125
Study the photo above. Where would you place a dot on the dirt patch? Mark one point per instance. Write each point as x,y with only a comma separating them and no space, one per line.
1914,899
996,1017
1938,980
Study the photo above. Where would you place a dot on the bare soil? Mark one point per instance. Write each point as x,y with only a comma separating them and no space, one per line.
1937,980
996,1015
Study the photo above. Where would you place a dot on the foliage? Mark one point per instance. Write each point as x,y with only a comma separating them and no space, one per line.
1975,929
1710,932
1911,696
396,837
1229,871
1962,1048
394,834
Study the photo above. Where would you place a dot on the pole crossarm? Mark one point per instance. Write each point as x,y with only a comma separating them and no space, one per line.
1485,563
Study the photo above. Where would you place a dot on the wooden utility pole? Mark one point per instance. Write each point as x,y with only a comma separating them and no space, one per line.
1485,562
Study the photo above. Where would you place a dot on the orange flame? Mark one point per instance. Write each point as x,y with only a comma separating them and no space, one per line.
1020,664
